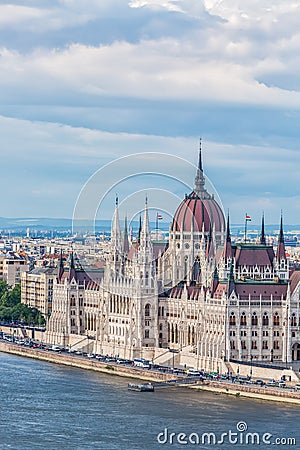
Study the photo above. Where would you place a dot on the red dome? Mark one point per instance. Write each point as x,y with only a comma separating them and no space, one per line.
202,211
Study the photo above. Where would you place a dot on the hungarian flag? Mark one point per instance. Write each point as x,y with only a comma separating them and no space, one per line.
159,216
248,218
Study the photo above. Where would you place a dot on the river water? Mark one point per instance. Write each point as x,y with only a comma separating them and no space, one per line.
47,406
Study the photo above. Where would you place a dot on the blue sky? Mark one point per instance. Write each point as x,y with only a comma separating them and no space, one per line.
86,81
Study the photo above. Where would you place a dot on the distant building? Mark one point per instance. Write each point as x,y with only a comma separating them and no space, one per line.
37,289
12,265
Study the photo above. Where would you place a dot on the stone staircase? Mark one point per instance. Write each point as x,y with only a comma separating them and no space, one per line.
168,358
84,345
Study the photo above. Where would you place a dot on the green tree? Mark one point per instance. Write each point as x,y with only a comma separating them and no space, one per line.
4,288
11,308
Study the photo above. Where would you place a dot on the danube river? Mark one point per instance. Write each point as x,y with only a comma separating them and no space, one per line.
47,406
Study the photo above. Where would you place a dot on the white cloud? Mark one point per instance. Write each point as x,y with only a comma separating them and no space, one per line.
164,69
170,5
163,60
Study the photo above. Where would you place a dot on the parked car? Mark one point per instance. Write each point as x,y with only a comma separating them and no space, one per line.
193,373
141,362
55,348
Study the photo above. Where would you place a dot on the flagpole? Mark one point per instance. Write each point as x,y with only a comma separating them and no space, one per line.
156,225
245,237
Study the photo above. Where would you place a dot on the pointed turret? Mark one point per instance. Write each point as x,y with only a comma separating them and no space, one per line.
125,239
231,284
116,244
215,281
280,254
72,273
145,235
61,268
228,247
145,252
262,234
140,230
200,179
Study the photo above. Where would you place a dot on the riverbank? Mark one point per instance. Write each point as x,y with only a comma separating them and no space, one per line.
252,392
84,363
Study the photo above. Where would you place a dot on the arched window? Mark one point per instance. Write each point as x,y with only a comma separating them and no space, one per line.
293,320
147,310
232,319
254,319
243,319
265,320
276,321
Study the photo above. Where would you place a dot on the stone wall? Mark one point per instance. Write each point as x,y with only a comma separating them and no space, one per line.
261,372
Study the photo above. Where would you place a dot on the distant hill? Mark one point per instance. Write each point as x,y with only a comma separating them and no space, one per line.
62,224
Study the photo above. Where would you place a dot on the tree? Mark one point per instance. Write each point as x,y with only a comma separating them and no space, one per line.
12,310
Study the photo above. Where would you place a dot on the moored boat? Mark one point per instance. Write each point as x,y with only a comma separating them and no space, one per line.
141,387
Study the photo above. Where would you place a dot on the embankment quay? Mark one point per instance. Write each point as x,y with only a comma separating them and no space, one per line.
286,395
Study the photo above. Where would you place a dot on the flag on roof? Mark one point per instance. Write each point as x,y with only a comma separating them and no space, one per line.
248,218
159,216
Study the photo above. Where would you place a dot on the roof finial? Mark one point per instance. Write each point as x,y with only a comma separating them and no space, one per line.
200,156
117,200
199,180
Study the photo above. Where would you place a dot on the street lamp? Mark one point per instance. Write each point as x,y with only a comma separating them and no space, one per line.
272,355
251,358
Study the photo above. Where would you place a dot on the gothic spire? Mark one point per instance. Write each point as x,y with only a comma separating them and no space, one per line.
228,237
145,233
200,179
228,247
280,254
140,230
231,284
215,281
115,231
145,250
262,234
72,273
125,239
61,267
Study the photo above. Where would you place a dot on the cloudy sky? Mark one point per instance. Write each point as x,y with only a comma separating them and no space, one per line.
86,81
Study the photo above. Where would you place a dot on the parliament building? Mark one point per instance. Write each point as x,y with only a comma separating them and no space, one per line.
201,299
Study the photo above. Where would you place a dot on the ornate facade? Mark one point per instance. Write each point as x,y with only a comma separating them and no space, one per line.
202,300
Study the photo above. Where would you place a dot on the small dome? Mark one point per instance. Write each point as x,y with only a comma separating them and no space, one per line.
199,211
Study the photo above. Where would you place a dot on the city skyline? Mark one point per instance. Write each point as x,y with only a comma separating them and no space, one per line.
84,83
